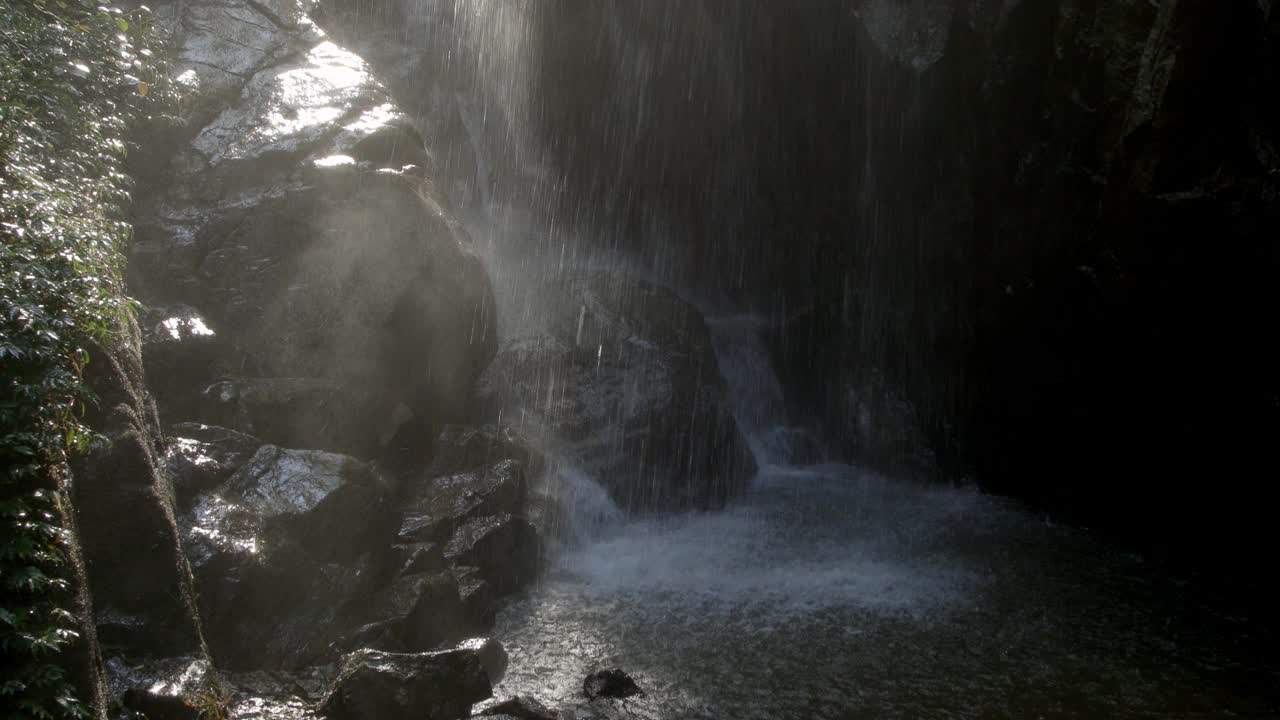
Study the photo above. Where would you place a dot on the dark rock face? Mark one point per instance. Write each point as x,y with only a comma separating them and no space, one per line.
493,656
467,447
435,508
313,293
139,578
180,352
296,557
1002,231
282,554
418,611
374,685
624,379
612,683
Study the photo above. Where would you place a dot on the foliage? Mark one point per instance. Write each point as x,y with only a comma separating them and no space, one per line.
74,74
214,702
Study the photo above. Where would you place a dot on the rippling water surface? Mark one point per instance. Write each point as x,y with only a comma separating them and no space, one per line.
828,592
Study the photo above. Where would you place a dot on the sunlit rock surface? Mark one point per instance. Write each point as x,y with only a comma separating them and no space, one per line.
200,457
283,555
375,685
168,689
296,555
340,280
622,377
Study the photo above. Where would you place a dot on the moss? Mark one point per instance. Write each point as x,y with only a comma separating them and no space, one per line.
73,75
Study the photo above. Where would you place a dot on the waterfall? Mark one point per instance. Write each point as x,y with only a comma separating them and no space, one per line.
755,392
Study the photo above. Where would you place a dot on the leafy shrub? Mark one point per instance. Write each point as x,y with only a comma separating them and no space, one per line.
74,75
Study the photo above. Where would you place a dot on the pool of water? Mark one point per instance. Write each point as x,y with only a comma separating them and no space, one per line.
830,592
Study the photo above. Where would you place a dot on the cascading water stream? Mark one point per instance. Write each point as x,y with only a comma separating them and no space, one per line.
756,394
824,591
827,591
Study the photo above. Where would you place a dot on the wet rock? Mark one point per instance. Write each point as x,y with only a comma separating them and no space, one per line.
435,508
417,557
504,547
200,457
292,412
523,707
459,448
415,613
180,351
284,555
224,42
493,656
340,289
374,685
335,506
612,683
478,596
167,689
623,379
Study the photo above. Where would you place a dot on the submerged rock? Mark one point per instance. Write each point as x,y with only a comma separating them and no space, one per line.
374,685
522,707
612,683
623,379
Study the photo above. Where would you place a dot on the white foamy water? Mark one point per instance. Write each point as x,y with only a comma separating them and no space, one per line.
830,592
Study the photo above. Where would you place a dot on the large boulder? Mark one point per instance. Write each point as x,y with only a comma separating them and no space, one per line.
375,685
417,612
333,505
466,447
434,508
505,548
323,296
475,519
285,553
622,378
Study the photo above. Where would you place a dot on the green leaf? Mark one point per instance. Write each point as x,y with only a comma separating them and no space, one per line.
122,24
